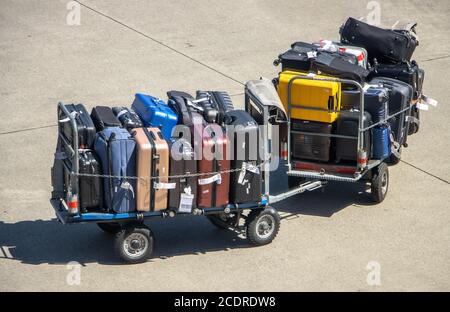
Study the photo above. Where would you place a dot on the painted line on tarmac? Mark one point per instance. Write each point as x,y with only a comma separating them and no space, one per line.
160,43
435,58
426,172
28,129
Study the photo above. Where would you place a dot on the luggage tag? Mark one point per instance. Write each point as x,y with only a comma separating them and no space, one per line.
186,201
429,100
164,186
127,186
246,167
422,106
215,178
311,54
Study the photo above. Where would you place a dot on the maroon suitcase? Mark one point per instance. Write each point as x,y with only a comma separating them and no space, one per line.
213,189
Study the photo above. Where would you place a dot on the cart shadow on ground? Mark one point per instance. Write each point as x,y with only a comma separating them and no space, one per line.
48,241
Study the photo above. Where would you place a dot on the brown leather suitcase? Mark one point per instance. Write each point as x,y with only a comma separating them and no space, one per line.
213,189
152,160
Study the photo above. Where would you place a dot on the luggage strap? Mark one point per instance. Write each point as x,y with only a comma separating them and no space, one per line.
73,114
122,112
164,186
215,178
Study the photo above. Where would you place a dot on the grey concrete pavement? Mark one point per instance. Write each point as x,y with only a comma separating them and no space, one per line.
326,238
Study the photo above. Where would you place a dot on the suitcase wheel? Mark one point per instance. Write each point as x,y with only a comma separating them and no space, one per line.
262,226
380,183
134,243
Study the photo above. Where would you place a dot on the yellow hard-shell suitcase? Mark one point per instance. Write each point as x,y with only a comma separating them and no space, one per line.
323,96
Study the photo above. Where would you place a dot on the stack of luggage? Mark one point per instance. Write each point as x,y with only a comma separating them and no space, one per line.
158,155
325,113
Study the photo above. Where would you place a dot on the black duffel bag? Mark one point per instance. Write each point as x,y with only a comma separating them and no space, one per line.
334,64
384,45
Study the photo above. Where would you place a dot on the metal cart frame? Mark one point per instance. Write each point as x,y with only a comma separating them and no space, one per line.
261,224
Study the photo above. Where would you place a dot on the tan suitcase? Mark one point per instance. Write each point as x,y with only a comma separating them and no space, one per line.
152,160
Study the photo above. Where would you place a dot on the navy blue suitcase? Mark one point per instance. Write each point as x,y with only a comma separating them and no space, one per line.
116,149
381,147
375,102
400,96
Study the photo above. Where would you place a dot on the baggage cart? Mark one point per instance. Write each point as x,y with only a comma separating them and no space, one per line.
313,175
133,239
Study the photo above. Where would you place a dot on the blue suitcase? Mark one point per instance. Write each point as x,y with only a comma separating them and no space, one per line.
381,142
116,149
154,112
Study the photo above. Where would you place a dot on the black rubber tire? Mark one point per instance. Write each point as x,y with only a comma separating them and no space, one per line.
222,220
143,238
255,221
380,183
393,159
110,228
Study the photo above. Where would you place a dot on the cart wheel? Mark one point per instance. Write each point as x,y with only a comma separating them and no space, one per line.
262,226
110,228
393,159
380,183
134,243
223,220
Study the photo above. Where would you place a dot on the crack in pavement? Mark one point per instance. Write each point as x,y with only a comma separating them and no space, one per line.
160,43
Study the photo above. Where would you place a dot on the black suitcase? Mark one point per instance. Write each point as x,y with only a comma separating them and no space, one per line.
301,56
127,117
183,105
85,126
103,117
400,96
384,45
182,162
309,146
297,57
408,72
336,65
90,188
244,135
376,101
347,124
215,105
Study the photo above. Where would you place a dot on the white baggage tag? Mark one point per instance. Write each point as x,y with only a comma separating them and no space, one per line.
311,54
422,106
164,186
242,174
215,178
186,201
429,100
